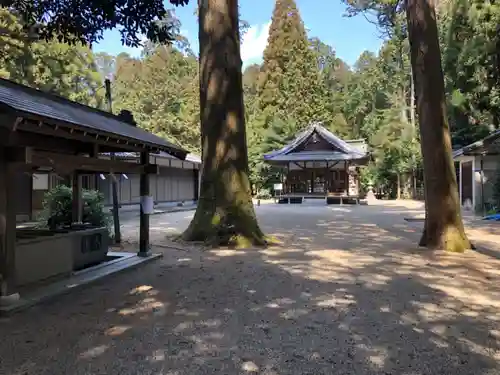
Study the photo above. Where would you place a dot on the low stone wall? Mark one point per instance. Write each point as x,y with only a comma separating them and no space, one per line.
42,254
90,247
42,257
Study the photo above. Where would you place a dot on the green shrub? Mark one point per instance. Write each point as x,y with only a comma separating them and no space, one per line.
57,208
264,194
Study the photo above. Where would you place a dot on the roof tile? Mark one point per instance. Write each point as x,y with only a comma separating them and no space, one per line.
28,100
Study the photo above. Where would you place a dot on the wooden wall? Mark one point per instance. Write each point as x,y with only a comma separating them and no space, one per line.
171,185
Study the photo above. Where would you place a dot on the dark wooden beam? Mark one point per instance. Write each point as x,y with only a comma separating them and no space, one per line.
77,203
22,138
152,169
87,136
7,228
333,165
196,183
10,121
144,218
347,177
18,154
67,162
300,166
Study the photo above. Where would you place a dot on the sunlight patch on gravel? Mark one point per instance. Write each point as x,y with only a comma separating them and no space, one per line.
347,290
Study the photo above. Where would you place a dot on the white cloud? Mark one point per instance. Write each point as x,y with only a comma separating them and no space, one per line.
254,42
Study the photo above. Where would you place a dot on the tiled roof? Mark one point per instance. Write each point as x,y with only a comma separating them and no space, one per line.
316,156
347,151
29,101
479,146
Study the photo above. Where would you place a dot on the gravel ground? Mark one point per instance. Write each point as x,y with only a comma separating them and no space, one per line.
346,293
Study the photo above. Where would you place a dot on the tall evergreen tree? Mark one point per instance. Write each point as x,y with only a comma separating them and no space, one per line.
290,84
225,212
444,228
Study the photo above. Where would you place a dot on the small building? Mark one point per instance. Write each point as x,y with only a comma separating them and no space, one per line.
177,182
319,165
47,135
477,166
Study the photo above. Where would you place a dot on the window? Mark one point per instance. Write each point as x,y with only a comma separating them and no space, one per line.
40,181
87,182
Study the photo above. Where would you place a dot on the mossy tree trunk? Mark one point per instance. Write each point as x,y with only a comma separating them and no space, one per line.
444,228
225,213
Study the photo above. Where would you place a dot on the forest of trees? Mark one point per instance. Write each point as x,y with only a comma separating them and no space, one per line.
300,80
371,99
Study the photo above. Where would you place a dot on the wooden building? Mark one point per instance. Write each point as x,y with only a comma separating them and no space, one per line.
177,182
318,164
43,133
477,167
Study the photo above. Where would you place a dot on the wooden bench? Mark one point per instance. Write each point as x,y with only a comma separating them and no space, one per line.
290,200
342,199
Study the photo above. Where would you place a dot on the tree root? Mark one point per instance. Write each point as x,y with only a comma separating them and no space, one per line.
450,239
236,233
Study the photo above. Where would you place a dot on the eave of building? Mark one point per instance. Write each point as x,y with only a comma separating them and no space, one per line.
346,150
51,115
480,147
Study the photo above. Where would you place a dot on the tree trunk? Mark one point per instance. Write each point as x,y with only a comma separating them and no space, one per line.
414,137
443,223
225,212
398,189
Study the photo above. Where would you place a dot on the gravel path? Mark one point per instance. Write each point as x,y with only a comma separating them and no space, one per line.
346,293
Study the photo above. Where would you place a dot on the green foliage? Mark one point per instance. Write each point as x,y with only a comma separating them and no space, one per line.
264,194
381,12
85,20
278,132
369,176
469,35
69,71
290,83
57,208
161,91
301,80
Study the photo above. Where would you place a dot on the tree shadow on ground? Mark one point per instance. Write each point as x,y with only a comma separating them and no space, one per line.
331,299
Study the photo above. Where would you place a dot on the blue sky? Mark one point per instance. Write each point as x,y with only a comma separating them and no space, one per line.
323,19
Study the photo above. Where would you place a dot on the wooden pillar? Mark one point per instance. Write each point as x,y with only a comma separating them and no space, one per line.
116,205
144,218
326,180
196,184
7,230
77,204
483,206
312,181
287,177
347,178
460,184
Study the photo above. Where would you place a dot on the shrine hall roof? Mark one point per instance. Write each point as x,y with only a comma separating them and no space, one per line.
340,150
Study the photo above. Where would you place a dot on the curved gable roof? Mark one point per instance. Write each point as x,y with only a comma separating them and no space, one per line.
345,151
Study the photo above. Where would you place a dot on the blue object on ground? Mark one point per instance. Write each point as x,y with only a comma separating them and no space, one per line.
495,217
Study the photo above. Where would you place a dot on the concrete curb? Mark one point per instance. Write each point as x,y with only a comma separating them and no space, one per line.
129,214
61,287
